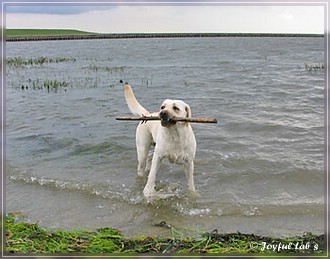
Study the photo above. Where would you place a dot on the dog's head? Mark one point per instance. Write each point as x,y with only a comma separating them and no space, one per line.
171,109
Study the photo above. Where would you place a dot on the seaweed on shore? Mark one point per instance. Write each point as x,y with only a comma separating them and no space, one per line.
22,237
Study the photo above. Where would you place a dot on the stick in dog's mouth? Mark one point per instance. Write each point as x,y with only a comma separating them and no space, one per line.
167,122
176,119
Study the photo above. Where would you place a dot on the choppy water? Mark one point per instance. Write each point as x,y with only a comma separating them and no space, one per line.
71,165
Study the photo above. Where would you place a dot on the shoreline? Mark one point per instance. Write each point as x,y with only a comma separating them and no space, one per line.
94,36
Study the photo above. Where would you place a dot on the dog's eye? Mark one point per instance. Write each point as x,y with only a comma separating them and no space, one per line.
176,108
163,107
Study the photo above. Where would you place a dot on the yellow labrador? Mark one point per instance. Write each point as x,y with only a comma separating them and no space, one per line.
174,141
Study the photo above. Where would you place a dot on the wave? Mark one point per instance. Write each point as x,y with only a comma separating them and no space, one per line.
172,197
98,189
48,146
250,210
109,148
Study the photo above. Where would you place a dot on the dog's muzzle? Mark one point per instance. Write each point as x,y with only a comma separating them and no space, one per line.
165,120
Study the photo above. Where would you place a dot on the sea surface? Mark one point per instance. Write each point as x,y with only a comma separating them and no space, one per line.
71,165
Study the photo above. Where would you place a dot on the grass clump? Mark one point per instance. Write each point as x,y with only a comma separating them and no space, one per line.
22,237
108,69
314,67
49,85
20,62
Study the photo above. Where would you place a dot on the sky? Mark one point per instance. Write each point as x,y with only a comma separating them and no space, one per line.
170,17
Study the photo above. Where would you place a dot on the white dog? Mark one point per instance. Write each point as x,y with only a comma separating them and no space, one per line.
174,141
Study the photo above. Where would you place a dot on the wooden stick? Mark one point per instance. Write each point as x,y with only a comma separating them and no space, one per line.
153,118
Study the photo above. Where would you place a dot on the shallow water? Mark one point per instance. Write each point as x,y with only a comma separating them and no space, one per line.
71,165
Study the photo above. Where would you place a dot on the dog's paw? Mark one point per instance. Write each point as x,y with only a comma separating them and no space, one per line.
149,192
194,194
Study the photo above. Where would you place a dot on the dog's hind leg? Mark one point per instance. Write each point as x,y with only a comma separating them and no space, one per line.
143,144
142,155
150,155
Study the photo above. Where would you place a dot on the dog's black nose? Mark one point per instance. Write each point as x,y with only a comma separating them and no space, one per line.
163,115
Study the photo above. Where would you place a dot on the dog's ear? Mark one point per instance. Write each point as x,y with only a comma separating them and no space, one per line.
188,111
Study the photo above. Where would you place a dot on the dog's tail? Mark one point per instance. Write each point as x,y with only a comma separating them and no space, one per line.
135,107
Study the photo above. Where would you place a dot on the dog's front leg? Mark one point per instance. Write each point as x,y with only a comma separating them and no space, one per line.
149,189
189,170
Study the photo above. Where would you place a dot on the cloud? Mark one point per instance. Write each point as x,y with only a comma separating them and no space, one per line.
272,19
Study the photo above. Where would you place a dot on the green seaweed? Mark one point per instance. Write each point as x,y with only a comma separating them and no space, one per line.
22,237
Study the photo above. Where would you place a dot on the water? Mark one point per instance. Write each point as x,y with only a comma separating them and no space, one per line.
71,165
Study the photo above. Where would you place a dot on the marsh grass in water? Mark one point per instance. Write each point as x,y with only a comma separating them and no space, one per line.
91,79
108,69
22,237
57,85
49,85
313,67
20,62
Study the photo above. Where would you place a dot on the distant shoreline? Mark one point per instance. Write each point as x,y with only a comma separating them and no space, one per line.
94,36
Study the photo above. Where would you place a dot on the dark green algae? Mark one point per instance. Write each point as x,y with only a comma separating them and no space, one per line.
30,238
